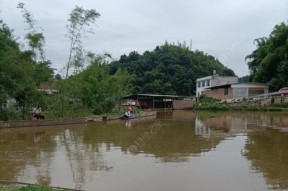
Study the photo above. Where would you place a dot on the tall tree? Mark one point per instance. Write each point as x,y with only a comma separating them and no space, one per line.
16,74
269,62
96,89
36,39
81,22
36,43
21,73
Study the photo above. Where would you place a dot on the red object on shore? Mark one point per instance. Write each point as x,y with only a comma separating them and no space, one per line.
284,90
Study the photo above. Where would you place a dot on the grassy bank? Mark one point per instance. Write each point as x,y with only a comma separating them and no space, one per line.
211,104
29,188
207,103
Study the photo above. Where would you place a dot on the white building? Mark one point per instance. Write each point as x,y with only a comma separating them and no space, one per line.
214,80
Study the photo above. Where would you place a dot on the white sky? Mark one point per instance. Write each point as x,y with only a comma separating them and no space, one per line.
224,29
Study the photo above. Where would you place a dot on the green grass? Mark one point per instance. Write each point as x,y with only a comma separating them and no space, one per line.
281,105
206,103
211,106
29,188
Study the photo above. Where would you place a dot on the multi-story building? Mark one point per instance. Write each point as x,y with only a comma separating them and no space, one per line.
215,80
227,87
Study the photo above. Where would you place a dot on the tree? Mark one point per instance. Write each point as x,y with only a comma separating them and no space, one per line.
244,79
16,74
36,40
81,22
21,73
96,88
269,62
168,69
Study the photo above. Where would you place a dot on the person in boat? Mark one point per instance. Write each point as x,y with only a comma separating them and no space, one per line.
129,110
37,113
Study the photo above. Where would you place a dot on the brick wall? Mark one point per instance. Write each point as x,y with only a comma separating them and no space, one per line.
219,93
183,104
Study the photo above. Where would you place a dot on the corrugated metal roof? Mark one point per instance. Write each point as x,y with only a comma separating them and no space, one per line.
151,95
237,84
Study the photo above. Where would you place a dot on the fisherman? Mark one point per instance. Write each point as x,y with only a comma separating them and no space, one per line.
37,113
129,110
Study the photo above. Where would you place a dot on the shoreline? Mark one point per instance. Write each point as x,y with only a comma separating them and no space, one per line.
62,121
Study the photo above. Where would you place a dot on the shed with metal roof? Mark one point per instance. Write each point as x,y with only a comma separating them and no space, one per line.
151,101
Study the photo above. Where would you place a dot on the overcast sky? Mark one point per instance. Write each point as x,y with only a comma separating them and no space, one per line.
224,29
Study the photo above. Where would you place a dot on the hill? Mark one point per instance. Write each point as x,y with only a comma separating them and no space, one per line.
168,69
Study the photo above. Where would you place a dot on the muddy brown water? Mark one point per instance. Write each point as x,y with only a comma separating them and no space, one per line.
182,150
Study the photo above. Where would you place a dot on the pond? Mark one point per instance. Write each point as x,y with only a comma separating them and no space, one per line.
182,150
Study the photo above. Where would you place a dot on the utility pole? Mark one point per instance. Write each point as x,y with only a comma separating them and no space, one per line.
191,42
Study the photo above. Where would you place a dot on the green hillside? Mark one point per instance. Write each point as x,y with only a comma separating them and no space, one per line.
169,69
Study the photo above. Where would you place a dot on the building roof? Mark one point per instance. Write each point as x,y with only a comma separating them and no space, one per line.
219,86
249,84
214,76
141,96
233,85
48,87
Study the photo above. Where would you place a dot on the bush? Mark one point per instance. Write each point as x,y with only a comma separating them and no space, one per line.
281,105
208,103
207,106
204,99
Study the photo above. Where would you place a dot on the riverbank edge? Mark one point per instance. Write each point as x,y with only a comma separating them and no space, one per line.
244,108
211,104
61,121
28,187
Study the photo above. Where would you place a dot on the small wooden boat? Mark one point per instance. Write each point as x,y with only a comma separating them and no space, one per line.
125,116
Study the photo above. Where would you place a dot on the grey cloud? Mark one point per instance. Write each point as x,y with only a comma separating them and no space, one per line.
222,28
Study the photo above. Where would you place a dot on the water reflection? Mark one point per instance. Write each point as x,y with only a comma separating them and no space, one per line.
19,149
98,155
245,120
266,144
268,153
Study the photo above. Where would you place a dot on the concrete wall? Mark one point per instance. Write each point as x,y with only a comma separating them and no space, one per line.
259,102
248,89
240,92
223,80
183,104
199,85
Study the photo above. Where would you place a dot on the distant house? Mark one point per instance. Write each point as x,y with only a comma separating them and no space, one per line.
202,84
234,91
48,87
227,87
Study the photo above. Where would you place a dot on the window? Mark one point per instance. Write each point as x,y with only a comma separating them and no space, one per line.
199,84
208,82
203,83
225,91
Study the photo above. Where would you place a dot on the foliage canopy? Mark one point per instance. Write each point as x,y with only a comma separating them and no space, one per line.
269,62
169,69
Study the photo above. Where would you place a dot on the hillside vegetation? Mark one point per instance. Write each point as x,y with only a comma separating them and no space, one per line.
168,69
269,62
